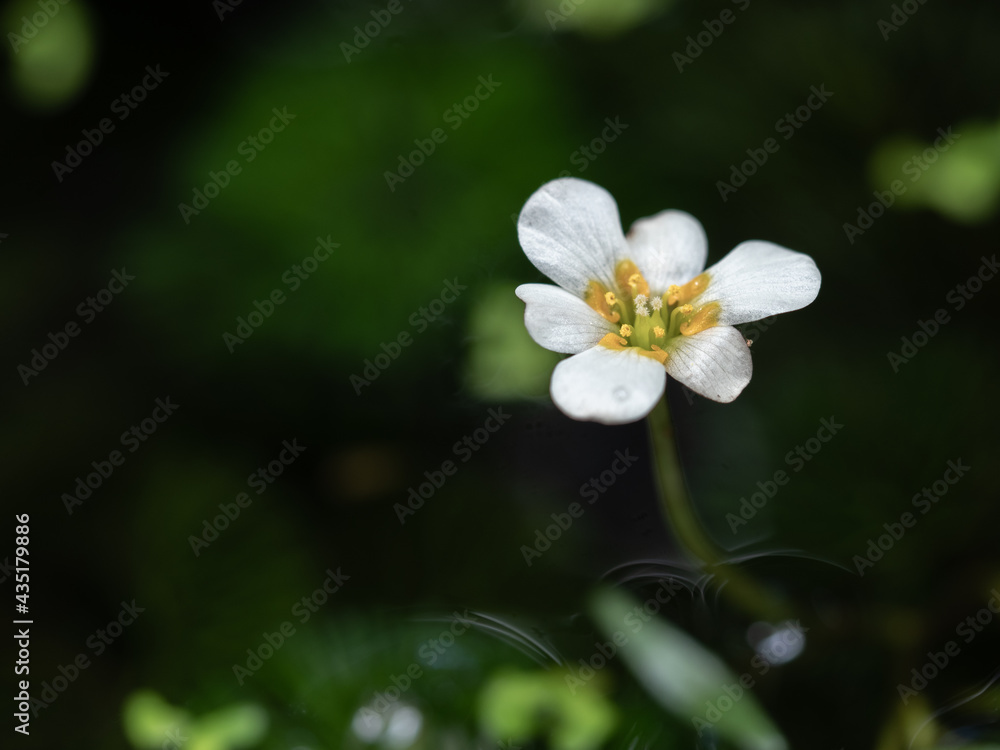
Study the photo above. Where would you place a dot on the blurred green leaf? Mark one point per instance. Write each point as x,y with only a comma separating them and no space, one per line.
503,361
595,17
231,727
148,718
517,706
682,675
151,722
960,179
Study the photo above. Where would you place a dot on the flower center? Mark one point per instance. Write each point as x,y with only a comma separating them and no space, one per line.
650,322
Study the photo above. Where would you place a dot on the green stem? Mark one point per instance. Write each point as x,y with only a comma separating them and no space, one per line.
746,592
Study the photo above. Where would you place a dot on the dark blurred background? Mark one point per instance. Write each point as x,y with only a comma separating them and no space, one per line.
308,111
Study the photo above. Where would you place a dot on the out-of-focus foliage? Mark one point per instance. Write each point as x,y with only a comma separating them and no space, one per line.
221,558
516,706
686,678
957,174
593,17
503,362
152,723
51,50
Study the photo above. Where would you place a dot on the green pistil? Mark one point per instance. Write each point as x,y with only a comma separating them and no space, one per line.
669,318
643,328
644,325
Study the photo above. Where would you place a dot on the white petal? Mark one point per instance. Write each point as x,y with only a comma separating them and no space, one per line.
757,279
714,363
607,385
570,230
669,248
559,321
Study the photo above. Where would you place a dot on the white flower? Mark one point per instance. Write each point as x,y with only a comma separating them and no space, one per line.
571,232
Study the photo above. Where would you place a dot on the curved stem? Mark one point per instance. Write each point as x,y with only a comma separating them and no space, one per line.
746,592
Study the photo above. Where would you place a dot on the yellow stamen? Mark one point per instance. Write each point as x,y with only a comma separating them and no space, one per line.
613,341
676,316
598,299
659,332
682,294
656,353
626,330
706,317
630,279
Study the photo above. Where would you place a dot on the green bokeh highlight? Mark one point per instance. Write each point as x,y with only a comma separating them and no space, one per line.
516,706
152,723
51,62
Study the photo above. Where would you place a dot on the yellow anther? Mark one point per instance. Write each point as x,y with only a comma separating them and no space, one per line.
659,332
682,294
686,309
706,317
597,298
626,330
630,279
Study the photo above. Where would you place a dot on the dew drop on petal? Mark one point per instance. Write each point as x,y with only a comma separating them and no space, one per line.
621,393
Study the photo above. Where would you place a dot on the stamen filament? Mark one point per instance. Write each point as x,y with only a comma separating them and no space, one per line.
676,316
